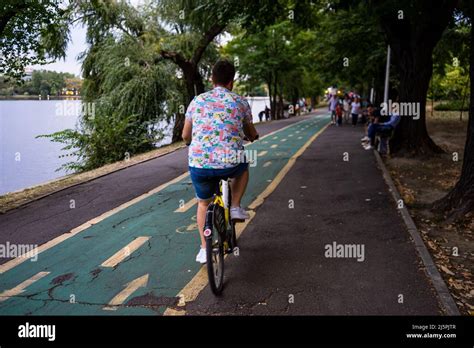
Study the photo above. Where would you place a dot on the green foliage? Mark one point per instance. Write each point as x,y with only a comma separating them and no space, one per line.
103,139
42,82
350,49
450,79
131,94
453,105
30,32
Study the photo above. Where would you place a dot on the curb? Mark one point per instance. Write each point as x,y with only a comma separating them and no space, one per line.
431,270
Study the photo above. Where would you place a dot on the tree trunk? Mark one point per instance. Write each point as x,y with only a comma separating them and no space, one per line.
412,39
194,83
270,94
275,100
194,86
415,69
460,201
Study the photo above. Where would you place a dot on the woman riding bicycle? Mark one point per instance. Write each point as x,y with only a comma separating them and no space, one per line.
213,128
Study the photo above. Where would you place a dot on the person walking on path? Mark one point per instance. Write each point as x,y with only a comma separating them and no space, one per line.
347,108
355,108
332,108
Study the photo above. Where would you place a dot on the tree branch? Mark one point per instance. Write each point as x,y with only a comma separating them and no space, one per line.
209,36
176,57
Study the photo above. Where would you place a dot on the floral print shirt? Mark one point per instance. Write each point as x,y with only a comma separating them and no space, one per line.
217,120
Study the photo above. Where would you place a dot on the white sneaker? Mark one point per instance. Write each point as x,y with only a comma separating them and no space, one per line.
368,147
238,213
366,138
201,256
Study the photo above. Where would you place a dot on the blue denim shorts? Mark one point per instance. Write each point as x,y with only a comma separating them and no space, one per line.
205,181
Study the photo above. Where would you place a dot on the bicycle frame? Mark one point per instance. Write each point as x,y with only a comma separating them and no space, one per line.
222,199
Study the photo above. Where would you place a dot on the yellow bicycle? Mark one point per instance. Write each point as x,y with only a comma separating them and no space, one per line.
219,232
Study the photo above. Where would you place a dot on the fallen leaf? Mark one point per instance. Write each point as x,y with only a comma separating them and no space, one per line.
446,270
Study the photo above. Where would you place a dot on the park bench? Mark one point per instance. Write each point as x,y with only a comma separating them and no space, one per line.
382,141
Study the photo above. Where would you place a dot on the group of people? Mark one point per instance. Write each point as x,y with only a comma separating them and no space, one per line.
349,108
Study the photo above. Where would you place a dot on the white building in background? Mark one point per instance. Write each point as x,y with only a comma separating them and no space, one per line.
28,74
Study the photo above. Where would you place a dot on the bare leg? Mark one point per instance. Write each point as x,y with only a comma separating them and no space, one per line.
239,185
201,219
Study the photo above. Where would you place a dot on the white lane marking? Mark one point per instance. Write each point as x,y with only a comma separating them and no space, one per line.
282,140
274,146
267,164
130,288
262,153
21,287
125,252
186,206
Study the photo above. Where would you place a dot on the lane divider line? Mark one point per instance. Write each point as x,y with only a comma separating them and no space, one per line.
130,288
7,294
125,252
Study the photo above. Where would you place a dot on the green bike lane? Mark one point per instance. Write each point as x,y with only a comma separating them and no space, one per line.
70,278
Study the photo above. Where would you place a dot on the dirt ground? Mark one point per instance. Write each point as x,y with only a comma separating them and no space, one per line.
422,182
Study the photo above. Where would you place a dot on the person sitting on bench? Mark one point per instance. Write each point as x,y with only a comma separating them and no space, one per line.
385,127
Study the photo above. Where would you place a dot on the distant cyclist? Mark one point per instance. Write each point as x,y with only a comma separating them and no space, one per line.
216,122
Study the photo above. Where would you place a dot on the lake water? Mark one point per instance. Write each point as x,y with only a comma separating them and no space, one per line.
26,161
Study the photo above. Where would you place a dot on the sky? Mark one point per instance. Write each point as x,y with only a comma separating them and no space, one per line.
78,45
70,64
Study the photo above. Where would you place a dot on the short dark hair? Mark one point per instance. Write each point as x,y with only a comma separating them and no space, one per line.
223,72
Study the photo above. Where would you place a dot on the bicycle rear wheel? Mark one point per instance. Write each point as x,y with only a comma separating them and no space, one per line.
215,250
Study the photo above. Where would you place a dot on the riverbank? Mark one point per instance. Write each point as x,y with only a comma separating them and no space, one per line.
37,97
